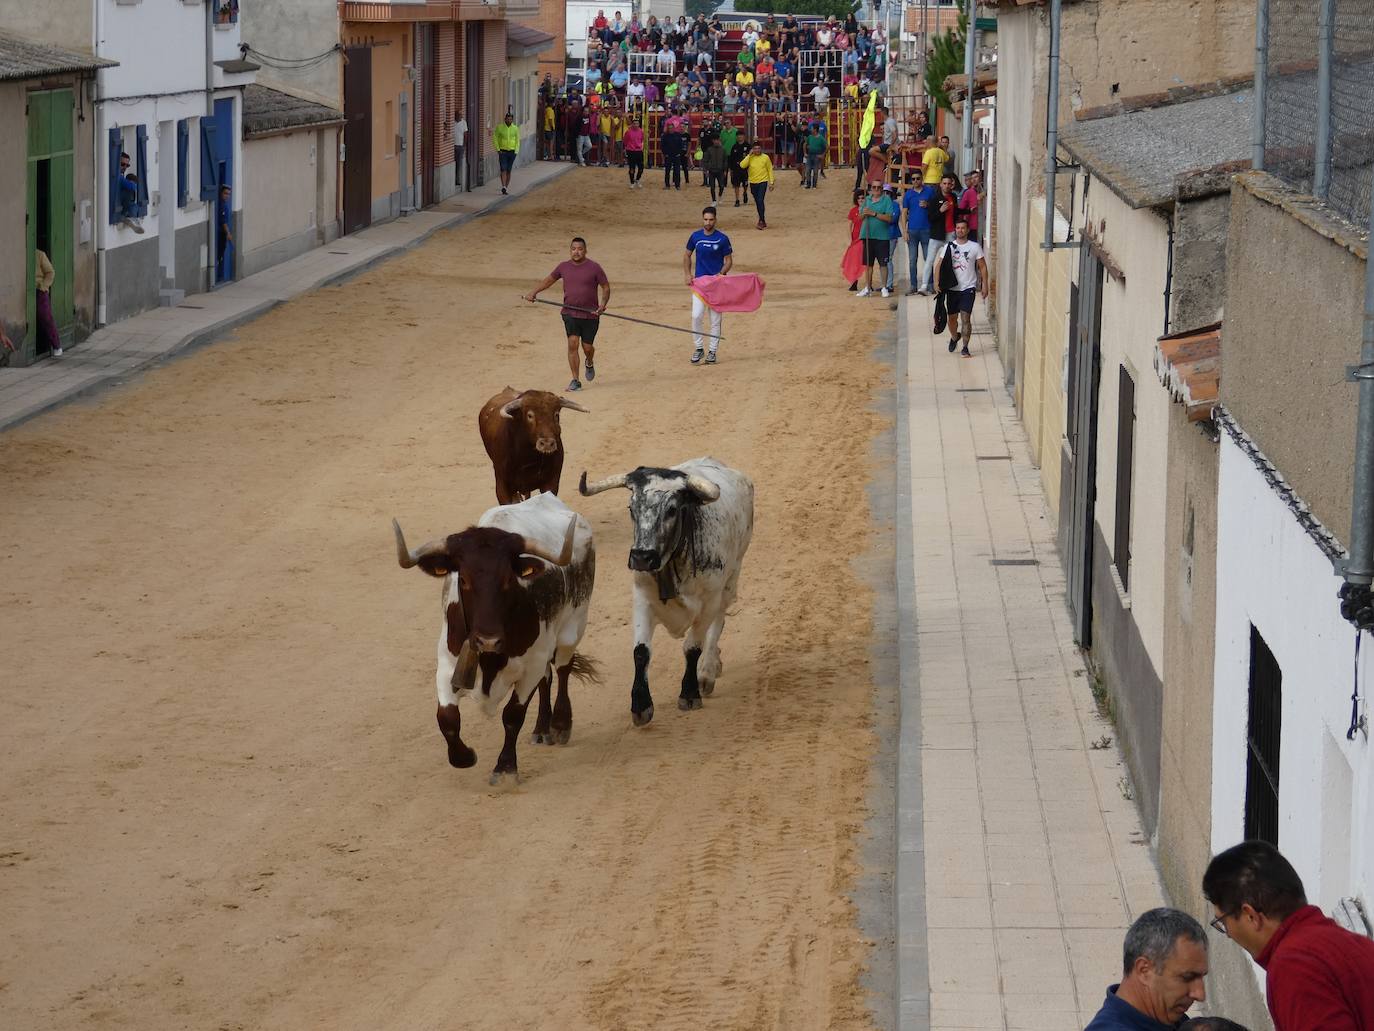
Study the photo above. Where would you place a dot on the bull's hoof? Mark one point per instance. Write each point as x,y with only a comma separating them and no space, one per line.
707,686
642,718
542,737
688,704
560,735
500,777
461,757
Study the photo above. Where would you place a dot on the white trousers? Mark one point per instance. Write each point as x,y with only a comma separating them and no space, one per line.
700,309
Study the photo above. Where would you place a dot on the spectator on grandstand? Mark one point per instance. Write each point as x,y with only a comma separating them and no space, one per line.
889,128
934,161
751,35
922,129
782,67
820,96
729,101
744,78
652,96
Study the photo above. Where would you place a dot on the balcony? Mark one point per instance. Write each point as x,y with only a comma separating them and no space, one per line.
432,10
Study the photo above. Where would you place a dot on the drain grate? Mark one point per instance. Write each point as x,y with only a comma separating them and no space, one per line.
992,458
1014,562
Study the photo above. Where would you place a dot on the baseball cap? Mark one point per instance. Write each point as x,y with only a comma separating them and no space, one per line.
887,187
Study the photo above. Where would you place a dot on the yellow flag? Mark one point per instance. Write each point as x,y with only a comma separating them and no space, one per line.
866,129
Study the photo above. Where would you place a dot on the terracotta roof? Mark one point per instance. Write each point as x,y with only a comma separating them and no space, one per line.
267,112
1189,366
25,59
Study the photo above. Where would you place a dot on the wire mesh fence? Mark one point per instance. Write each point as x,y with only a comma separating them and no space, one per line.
1319,120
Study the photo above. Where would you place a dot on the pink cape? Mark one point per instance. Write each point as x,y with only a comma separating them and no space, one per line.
743,292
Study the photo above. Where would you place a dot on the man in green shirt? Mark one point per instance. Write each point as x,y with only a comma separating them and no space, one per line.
878,212
728,135
507,139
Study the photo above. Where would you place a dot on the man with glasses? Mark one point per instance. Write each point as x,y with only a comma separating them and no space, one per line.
1164,962
1318,976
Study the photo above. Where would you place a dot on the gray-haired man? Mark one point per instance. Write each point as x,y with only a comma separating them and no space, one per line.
1164,961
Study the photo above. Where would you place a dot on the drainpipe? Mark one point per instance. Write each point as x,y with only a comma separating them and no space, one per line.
1326,21
210,113
1052,126
970,62
1261,84
1358,569
101,147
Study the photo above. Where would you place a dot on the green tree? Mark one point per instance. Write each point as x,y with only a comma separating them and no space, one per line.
706,7
824,8
946,58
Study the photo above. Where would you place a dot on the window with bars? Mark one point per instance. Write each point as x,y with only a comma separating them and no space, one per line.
1262,743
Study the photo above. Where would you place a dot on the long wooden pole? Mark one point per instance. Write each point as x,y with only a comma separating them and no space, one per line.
628,318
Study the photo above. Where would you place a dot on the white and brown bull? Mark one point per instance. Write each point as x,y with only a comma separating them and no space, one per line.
517,587
692,526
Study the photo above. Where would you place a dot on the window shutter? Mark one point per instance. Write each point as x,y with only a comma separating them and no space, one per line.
141,163
209,166
116,147
1125,457
183,161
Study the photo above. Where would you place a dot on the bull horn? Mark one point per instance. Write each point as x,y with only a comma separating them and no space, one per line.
587,490
407,558
534,548
563,402
512,406
703,488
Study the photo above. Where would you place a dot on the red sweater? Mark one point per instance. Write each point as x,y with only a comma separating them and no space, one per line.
1320,977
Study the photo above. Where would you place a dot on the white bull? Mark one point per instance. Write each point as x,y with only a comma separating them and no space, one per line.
692,526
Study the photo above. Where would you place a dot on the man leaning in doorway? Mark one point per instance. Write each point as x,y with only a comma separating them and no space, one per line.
225,237
460,171
507,139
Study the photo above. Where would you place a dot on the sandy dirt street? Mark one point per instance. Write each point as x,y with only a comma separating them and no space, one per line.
226,803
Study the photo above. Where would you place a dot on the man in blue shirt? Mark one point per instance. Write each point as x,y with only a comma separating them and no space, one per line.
917,203
1164,964
711,250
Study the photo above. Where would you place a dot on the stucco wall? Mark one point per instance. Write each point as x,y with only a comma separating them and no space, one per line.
65,23
1045,344
1283,367
1016,57
288,204
296,29
1132,321
1326,811
1189,561
1199,284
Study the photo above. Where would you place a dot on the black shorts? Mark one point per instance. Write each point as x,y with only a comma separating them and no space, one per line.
738,176
960,300
507,159
585,329
877,250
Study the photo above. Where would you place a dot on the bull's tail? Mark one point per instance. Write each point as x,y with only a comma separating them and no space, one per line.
585,669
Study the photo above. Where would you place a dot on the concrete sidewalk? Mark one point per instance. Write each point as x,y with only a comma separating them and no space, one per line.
1021,859
114,353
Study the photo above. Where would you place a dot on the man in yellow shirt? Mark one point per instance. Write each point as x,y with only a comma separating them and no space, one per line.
744,79
506,136
550,129
760,168
603,145
934,161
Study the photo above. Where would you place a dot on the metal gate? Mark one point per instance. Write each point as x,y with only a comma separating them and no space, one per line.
1085,361
357,139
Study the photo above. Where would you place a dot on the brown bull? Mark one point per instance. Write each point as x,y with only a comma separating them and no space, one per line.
523,438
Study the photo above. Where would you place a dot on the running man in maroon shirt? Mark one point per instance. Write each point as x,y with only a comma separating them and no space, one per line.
1318,975
581,310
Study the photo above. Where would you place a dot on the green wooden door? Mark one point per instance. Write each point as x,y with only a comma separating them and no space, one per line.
62,210
50,212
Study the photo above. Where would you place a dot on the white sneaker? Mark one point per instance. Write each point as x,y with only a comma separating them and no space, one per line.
57,352
887,292
864,292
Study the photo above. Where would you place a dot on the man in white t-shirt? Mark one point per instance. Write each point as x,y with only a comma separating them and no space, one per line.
460,172
820,94
970,277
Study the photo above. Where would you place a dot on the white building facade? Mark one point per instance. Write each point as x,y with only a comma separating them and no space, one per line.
1291,759
174,106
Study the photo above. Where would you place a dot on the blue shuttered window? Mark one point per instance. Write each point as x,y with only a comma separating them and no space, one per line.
116,147
209,159
183,162
141,164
